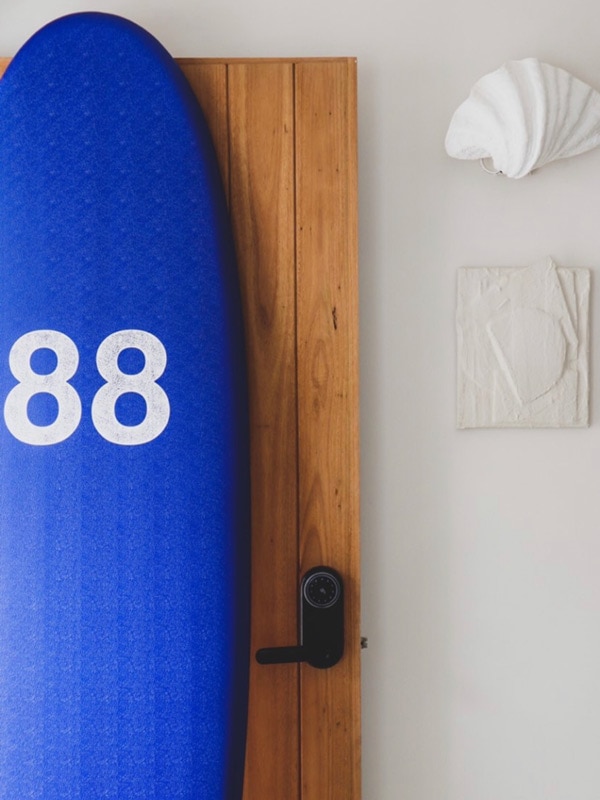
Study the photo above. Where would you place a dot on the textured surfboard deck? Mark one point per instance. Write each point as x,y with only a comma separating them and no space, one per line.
124,521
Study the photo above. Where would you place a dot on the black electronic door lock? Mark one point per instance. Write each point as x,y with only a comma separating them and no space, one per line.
321,623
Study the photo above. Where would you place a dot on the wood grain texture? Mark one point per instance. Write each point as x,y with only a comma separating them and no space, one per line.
261,118
327,291
272,60
209,83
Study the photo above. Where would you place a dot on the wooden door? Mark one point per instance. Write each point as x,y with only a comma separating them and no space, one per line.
285,132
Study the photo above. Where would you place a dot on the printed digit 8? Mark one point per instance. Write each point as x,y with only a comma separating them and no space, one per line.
32,383
142,383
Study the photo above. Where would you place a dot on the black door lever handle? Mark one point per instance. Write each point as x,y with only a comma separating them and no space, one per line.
321,609
281,655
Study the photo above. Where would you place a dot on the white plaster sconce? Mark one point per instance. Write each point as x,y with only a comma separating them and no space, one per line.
523,116
522,345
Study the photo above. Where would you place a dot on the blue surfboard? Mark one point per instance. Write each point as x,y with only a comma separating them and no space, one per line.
124,511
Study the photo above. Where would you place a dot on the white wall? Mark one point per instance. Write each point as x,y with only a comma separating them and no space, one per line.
481,548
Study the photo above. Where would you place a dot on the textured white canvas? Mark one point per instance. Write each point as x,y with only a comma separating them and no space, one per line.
522,344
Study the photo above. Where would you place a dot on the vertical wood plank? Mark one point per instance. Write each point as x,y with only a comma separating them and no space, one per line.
262,205
209,83
4,62
327,295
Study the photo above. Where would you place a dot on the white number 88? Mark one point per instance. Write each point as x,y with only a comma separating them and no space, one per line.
56,383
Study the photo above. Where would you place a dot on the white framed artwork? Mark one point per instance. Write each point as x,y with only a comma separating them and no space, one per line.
522,347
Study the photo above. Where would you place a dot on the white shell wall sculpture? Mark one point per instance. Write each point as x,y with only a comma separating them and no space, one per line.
523,116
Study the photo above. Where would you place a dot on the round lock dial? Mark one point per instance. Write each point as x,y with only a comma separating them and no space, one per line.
321,590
